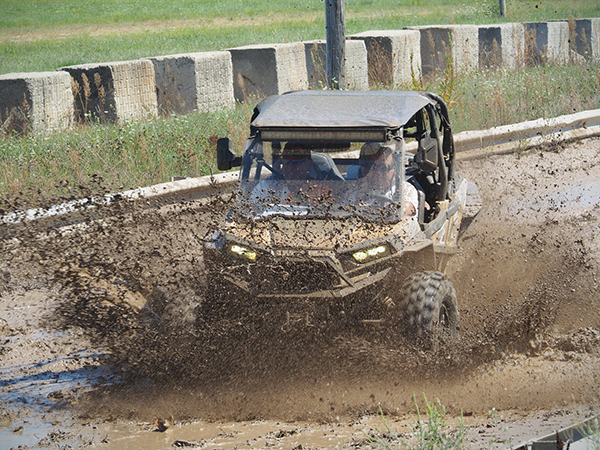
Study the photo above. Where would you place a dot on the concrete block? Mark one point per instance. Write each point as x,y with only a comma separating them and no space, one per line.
392,55
546,42
35,102
584,37
262,70
442,44
501,45
356,65
193,82
114,91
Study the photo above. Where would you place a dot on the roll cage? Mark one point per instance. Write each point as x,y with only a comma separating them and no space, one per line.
334,119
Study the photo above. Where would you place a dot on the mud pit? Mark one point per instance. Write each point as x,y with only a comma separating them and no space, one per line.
79,369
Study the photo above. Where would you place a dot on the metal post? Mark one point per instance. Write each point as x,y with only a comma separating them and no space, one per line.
502,4
335,47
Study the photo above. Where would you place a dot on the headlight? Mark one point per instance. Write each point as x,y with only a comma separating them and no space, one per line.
375,252
243,252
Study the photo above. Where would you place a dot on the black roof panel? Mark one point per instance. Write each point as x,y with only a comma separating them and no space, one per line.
344,109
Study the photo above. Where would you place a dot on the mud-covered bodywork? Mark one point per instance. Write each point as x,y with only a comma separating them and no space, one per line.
322,212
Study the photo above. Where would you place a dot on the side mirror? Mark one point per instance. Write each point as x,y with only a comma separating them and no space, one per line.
226,158
427,154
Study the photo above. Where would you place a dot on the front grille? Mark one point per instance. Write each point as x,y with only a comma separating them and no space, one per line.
292,277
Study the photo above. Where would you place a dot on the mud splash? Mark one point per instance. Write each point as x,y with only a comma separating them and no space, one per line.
125,288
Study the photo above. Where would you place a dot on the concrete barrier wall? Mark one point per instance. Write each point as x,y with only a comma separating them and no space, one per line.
393,56
113,92
501,45
356,65
584,38
35,102
260,70
546,42
193,82
213,80
454,44
515,135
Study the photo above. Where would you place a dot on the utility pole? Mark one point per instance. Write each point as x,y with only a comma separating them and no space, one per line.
335,47
502,4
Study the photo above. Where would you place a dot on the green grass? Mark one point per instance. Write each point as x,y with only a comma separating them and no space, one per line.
43,35
431,432
57,13
53,13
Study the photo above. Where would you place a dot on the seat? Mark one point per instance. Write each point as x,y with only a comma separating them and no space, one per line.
353,172
327,166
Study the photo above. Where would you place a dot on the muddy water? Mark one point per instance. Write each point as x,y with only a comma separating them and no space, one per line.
77,368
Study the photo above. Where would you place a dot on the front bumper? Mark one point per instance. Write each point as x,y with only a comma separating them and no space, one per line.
358,285
308,274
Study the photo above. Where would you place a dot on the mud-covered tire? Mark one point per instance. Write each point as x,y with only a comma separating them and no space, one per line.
430,308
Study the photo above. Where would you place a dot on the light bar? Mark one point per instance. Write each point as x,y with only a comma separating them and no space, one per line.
324,135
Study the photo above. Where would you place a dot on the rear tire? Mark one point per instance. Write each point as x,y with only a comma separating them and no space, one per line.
430,308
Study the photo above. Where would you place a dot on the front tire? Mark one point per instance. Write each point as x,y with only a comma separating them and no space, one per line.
430,308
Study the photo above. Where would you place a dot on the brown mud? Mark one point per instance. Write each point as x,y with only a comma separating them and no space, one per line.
80,366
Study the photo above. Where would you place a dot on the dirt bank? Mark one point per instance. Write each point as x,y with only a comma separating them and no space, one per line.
78,367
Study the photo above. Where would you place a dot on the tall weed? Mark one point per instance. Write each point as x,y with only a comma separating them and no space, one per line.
430,432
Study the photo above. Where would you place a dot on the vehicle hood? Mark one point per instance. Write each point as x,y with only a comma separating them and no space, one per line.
281,233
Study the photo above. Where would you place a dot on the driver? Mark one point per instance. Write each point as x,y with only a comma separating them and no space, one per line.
297,167
297,164
380,175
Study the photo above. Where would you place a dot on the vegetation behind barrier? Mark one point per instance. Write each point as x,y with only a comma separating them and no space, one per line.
97,158
487,99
